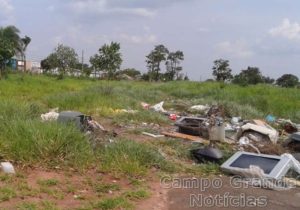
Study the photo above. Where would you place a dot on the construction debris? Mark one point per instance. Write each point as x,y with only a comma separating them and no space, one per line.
152,135
262,129
186,137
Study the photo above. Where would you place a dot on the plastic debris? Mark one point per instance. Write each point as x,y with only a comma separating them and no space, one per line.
152,135
52,115
173,117
159,107
235,120
145,105
244,141
200,108
270,118
7,167
266,130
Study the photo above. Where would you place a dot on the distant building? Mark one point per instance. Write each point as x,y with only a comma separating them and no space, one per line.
30,66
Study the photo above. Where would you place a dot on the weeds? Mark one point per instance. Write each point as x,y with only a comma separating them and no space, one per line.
105,188
131,158
48,182
7,193
113,203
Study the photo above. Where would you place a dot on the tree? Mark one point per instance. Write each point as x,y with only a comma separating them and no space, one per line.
221,70
108,60
288,80
84,69
154,59
132,72
268,80
6,52
63,58
251,75
10,45
172,63
24,43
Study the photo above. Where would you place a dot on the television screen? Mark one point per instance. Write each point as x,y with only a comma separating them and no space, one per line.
265,163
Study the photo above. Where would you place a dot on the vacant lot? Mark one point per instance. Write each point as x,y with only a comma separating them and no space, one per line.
59,168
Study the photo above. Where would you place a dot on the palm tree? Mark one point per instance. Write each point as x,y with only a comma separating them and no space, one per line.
10,45
11,34
24,43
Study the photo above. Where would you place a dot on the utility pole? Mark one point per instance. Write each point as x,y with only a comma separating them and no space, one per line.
82,57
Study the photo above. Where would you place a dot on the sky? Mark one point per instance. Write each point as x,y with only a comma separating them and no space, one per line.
257,33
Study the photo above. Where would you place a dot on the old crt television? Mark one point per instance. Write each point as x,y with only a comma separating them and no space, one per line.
273,166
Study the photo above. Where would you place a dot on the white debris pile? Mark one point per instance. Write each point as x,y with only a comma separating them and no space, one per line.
52,115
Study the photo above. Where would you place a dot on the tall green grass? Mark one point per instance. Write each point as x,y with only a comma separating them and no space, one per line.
27,140
132,158
24,138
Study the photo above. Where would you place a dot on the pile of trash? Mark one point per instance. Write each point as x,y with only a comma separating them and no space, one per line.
263,152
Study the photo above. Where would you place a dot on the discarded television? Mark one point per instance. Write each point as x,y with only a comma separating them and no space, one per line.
273,166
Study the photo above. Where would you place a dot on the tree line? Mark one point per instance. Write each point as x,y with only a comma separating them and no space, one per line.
107,62
251,76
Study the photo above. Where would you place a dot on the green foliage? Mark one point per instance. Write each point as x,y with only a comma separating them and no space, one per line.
11,44
136,195
108,60
26,139
6,194
105,188
132,72
288,80
221,70
154,59
27,206
113,203
48,182
64,58
172,64
250,76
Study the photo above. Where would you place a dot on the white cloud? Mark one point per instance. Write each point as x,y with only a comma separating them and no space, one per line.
237,49
101,7
136,39
6,11
287,30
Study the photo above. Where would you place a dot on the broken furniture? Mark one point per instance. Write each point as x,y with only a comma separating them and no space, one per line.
193,126
185,136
